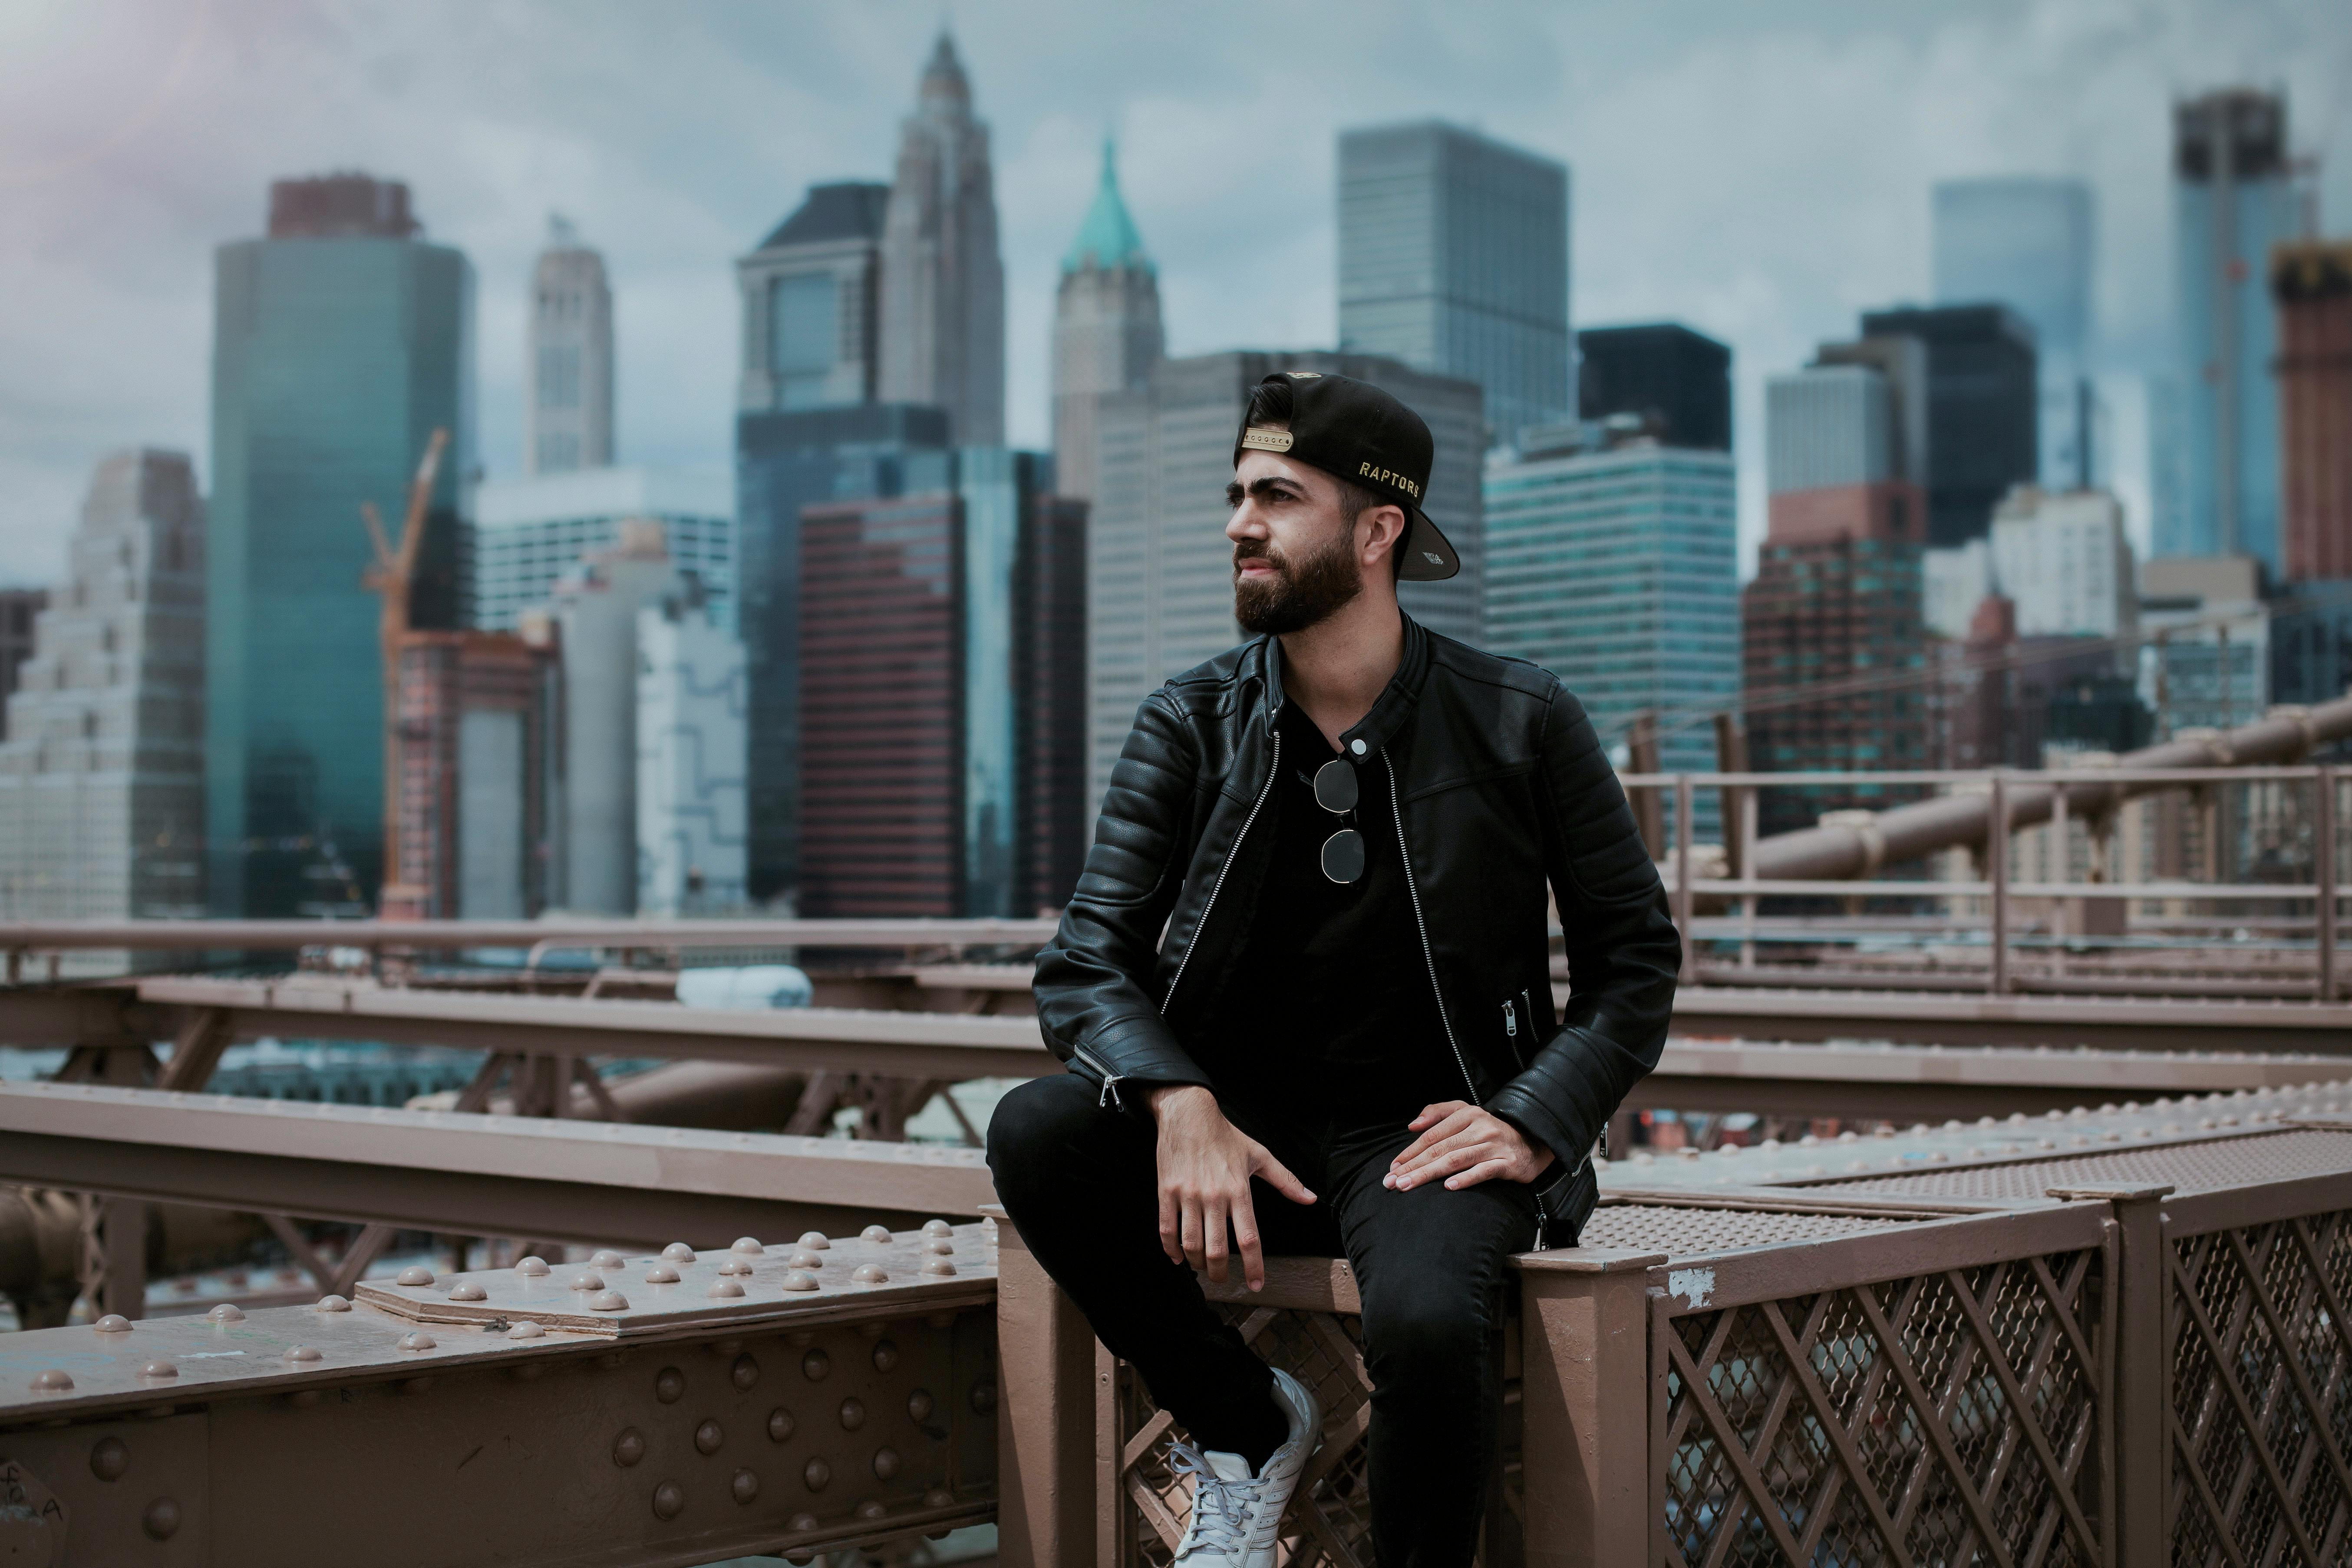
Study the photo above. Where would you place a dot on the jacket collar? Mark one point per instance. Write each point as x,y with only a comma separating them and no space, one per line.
1389,714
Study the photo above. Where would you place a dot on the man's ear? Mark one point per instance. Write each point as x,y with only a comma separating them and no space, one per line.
1393,519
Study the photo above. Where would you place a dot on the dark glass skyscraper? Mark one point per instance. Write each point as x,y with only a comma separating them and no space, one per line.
932,738
341,343
1454,259
784,462
1982,410
1676,380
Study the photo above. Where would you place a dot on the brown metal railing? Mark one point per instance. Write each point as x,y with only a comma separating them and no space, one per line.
1842,862
2117,1338
2023,1362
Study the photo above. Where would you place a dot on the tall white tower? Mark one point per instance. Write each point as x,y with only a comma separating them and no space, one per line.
1107,331
568,421
942,276
102,775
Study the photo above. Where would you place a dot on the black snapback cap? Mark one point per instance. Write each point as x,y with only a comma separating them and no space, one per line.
1354,431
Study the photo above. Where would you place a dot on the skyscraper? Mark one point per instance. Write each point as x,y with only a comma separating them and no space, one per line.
568,421
942,307
1613,564
19,609
595,608
1982,410
1454,259
1049,683
2028,244
997,492
1837,598
102,777
784,462
807,430
1107,334
932,740
1160,587
812,293
1678,382
2066,563
882,706
2313,285
341,343
692,849
2232,200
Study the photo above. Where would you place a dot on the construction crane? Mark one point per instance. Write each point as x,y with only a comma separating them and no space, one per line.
391,578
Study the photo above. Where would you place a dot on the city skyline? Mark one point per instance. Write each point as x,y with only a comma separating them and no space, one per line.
114,244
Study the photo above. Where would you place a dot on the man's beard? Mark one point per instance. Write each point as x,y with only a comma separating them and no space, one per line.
1296,595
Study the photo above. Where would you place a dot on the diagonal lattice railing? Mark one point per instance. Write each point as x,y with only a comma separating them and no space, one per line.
2261,1411
1951,1416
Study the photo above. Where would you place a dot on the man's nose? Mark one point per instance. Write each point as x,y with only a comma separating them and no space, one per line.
1244,524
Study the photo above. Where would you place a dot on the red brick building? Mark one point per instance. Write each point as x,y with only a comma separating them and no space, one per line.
1835,602
2312,283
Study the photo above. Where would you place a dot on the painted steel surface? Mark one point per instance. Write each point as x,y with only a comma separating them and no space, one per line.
785,1420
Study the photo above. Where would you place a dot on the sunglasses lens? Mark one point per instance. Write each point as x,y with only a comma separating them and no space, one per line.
1343,856
1335,786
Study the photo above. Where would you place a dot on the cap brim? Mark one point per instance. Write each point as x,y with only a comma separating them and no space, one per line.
1428,554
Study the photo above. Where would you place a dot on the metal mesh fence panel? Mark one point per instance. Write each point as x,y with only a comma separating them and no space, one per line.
2261,1413
1949,1417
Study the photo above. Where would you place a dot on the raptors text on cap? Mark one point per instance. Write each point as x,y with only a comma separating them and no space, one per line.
1380,477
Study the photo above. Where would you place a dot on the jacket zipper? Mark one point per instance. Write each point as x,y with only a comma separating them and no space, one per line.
1272,773
1429,957
1110,1080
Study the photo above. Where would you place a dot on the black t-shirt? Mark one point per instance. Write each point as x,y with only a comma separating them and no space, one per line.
1327,1028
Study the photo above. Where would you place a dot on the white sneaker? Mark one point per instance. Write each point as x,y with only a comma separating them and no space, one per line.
1235,1513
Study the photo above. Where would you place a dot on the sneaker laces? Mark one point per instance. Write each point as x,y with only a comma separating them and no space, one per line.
1220,1508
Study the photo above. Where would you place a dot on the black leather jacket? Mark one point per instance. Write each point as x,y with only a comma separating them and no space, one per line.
1500,788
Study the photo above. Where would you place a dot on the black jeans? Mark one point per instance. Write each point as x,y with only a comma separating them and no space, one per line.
1080,1181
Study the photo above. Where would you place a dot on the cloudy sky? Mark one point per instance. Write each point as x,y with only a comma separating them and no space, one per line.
1760,170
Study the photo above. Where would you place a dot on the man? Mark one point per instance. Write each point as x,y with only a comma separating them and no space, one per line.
1303,989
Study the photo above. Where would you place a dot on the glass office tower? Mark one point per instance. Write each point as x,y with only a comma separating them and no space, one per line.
1454,259
342,340
2027,243
1616,569
919,710
1001,490
2233,199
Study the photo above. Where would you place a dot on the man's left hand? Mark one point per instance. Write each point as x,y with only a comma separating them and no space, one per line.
1465,1144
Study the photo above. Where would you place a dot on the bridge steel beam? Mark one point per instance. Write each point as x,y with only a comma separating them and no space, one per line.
473,1176
681,1425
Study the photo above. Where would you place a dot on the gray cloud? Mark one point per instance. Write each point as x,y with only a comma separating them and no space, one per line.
1759,172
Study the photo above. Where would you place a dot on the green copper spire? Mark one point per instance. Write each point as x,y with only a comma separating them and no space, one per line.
1108,237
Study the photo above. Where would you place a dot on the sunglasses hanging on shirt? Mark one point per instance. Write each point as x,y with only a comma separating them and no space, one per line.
1335,792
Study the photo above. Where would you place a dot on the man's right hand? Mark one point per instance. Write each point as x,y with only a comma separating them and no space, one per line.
1205,1167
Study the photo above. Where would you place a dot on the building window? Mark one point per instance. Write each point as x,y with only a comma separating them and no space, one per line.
804,335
